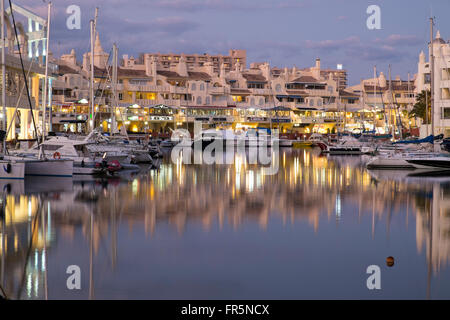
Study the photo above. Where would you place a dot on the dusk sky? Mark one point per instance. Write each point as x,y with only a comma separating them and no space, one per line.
284,33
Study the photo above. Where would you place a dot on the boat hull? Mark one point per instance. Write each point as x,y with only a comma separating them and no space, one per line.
49,168
389,163
16,170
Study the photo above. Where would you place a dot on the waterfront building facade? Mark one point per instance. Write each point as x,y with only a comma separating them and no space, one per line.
387,104
155,97
23,115
441,85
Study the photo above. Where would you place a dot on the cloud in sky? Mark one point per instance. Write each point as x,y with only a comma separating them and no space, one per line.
392,48
198,5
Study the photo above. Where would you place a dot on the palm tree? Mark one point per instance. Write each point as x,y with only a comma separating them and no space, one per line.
422,107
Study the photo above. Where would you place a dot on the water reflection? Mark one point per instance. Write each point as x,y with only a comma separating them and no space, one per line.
154,217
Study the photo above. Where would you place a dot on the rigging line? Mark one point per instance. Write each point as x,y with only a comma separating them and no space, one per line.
382,102
23,71
99,83
34,228
3,292
17,104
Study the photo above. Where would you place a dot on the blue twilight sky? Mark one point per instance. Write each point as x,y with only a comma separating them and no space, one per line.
284,33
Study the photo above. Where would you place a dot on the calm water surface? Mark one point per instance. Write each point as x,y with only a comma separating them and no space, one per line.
230,232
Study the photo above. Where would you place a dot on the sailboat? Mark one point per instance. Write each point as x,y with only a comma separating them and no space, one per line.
419,160
40,165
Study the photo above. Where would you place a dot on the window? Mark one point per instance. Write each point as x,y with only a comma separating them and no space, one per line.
207,100
319,102
446,113
255,85
120,96
199,100
193,86
311,103
278,88
202,86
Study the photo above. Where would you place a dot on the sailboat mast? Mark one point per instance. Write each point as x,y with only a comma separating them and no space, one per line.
361,97
432,76
390,105
44,95
91,93
375,98
3,72
114,80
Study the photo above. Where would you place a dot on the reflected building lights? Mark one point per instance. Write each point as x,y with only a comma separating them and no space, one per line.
308,189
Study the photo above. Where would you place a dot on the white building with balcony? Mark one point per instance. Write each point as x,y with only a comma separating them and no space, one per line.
441,90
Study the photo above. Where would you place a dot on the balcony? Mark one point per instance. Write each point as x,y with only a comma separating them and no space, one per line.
147,102
262,92
219,90
178,90
445,84
147,88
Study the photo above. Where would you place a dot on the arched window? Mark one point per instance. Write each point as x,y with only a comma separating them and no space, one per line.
199,100
311,102
193,86
261,101
319,102
202,87
252,101
278,88
207,101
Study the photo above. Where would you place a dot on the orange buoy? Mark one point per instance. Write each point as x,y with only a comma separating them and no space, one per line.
57,155
390,261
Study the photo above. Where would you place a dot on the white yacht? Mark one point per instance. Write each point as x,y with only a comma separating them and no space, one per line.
410,161
35,166
64,148
350,146
119,148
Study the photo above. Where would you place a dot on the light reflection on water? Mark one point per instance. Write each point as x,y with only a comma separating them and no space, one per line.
229,232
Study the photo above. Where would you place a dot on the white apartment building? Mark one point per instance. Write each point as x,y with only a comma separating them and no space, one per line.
441,90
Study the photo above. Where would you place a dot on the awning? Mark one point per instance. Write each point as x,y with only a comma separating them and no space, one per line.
296,97
72,121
